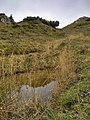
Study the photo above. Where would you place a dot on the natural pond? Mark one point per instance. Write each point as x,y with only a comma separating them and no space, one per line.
27,93
23,88
42,93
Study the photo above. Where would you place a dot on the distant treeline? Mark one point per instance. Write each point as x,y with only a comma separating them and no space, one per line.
53,24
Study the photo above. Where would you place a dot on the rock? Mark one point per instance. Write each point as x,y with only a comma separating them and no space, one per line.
4,19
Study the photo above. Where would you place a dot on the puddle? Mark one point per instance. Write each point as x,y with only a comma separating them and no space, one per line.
26,93
31,86
42,93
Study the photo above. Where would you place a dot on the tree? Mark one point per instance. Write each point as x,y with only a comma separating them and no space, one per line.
11,19
56,23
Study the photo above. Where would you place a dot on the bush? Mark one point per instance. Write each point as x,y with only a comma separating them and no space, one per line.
49,23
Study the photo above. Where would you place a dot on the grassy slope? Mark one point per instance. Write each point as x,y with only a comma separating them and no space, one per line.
16,39
36,41
74,102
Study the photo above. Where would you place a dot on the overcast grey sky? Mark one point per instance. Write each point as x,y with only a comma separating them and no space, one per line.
65,11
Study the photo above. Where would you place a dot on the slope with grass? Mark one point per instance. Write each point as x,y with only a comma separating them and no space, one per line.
74,102
46,54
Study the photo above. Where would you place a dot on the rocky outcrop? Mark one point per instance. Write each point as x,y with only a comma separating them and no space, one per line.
4,19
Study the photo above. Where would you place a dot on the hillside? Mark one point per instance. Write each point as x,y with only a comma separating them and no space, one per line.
35,53
12,37
82,25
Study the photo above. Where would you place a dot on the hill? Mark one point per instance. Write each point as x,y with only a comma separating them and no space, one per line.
33,31
33,52
81,25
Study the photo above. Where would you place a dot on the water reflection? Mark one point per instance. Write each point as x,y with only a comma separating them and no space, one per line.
42,93
30,86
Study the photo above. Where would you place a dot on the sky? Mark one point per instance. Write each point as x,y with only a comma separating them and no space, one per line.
65,11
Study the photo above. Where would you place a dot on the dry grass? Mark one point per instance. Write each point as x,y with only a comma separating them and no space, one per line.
63,73
65,68
32,62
